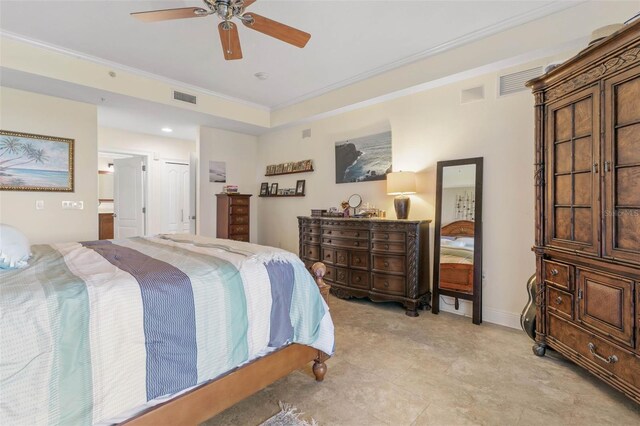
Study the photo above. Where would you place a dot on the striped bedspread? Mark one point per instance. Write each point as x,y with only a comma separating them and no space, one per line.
90,330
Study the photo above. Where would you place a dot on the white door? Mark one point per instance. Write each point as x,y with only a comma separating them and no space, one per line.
175,208
193,191
128,197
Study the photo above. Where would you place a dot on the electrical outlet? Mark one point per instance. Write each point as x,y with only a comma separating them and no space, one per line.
39,204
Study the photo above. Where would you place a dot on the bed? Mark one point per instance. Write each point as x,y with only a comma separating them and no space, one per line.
456,256
169,329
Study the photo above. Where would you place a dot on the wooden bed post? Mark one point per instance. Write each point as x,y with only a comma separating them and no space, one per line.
319,270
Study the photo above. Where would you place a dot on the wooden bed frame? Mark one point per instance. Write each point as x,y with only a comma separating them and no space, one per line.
457,276
211,398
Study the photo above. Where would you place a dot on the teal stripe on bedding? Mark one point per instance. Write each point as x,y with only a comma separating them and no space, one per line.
197,266
307,309
70,380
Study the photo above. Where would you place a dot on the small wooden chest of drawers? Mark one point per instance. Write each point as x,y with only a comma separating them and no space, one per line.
384,260
233,216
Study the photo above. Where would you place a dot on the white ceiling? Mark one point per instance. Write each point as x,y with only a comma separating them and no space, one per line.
350,40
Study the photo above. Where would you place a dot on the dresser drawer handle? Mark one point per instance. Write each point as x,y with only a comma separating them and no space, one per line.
386,236
329,241
611,359
386,264
356,244
554,272
328,232
357,234
386,284
559,300
357,279
386,246
327,256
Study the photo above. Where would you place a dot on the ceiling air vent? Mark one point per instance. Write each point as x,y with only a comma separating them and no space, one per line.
184,97
472,94
512,83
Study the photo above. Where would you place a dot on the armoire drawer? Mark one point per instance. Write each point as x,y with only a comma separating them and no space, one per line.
558,274
598,351
560,302
239,201
238,229
239,209
238,219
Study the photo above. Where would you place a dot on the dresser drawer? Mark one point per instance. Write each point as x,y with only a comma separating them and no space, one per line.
389,284
236,201
345,233
342,258
309,238
341,276
330,274
239,209
598,351
328,255
560,302
311,252
337,242
394,264
238,219
311,230
359,260
387,236
238,229
240,237
558,274
359,279
388,247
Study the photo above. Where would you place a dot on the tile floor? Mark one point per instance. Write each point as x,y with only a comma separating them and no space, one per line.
390,369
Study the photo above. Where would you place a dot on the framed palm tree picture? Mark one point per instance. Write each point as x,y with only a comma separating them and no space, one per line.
31,162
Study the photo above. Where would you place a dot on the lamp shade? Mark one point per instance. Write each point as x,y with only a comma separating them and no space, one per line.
401,183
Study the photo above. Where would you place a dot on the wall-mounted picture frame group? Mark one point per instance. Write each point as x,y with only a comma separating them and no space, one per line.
285,168
31,162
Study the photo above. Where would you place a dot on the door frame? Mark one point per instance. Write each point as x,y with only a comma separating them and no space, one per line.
146,160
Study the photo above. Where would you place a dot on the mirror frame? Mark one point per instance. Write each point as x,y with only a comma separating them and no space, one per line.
476,297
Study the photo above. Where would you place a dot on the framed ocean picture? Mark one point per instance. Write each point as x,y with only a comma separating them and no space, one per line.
363,159
31,162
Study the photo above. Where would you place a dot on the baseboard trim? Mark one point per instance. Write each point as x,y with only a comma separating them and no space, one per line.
492,315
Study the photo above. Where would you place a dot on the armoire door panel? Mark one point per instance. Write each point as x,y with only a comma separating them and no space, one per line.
605,305
622,167
573,201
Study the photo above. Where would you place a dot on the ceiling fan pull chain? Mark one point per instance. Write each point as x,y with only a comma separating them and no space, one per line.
229,37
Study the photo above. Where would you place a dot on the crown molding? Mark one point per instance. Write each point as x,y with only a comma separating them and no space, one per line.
121,67
490,30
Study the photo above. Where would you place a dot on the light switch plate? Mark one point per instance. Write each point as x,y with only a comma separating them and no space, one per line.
72,205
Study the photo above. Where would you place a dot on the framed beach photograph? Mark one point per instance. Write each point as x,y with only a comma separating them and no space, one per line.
264,188
300,187
30,162
274,189
363,159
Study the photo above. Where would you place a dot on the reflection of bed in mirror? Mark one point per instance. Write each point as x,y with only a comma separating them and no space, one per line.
456,256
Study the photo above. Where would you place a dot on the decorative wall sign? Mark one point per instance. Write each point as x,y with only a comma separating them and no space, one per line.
287,168
363,159
217,171
30,162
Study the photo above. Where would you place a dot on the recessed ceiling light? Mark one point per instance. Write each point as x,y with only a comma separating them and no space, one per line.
167,129
261,75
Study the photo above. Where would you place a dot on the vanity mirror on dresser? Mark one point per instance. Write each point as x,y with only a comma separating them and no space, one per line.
380,259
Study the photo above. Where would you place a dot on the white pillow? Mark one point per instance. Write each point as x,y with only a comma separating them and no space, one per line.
467,241
14,248
451,243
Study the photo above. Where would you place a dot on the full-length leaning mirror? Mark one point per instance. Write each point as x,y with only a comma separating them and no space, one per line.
457,269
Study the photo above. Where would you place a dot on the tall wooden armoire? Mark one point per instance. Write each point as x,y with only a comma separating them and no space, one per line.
587,241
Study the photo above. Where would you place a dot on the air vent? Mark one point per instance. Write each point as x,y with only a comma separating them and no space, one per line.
513,83
472,94
306,133
184,97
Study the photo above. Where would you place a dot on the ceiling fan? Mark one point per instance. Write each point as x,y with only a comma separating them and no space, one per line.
228,10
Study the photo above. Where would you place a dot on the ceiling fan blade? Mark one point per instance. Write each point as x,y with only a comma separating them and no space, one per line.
230,40
276,29
247,3
166,14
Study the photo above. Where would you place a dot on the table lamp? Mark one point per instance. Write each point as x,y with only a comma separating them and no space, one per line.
400,184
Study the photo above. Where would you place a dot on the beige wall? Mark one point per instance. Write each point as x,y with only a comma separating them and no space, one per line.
427,127
239,151
33,113
158,149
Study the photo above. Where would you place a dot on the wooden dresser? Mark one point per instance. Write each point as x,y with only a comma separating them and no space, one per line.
384,260
588,210
233,216
105,226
